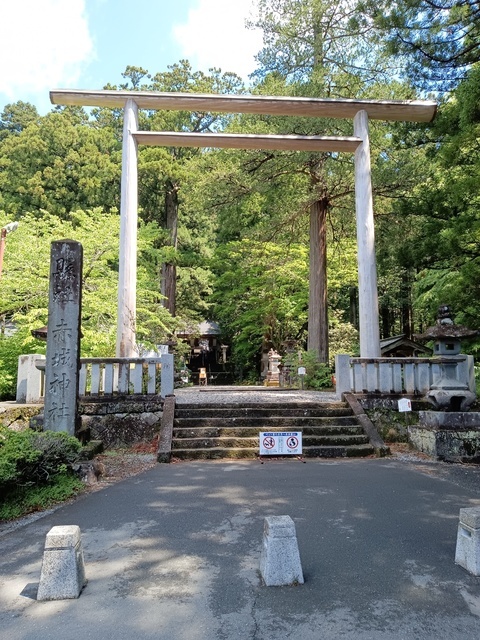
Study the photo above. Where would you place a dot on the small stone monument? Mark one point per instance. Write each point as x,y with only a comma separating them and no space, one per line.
63,337
63,570
280,559
467,552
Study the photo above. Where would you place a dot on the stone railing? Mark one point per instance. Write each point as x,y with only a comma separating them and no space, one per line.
101,377
409,376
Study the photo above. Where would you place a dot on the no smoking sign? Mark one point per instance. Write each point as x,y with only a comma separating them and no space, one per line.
280,443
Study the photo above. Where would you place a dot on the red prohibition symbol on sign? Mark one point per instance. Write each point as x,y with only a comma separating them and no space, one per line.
269,442
292,442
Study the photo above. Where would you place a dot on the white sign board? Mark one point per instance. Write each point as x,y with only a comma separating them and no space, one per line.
276,443
302,371
404,404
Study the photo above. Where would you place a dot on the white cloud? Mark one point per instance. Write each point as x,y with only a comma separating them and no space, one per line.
216,36
46,43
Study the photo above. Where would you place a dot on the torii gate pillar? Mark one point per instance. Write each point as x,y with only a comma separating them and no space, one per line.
367,269
127,271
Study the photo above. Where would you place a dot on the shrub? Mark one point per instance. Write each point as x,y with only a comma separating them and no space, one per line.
317,374
23,500
35,470
32,458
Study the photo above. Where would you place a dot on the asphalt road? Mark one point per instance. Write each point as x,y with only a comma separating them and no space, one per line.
173,554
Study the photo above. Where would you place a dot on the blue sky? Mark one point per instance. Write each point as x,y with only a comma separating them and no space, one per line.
84,44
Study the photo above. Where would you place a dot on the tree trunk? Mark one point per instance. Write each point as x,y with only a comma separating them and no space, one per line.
169,269
317,303
353,308
406,306
385,314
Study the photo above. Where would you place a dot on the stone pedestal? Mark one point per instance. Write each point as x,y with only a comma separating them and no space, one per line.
280,559
467,553
453,436
63,571
29,380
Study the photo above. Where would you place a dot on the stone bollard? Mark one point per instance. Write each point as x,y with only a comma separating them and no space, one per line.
63,570
280,559
467,552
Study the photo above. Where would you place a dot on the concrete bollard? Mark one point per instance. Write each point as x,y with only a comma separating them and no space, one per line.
63,569
280,559
467,552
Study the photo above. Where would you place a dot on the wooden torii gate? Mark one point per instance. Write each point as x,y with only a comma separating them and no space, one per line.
358,110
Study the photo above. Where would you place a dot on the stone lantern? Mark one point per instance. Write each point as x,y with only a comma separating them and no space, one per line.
273,373
448,391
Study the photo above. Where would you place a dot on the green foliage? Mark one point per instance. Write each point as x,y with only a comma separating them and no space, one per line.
260,297
342,335
15,117
59,163
311,40
436,245
435,42
23,500
24,285
35,470
318,375
34,458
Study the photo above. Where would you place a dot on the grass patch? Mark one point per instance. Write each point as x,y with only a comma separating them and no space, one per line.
24,500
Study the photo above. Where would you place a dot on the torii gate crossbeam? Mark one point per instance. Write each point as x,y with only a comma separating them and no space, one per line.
359,110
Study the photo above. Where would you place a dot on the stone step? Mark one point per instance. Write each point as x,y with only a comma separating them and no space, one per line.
216,453
354,451
232,430
293,423
256,411
242,442
252,432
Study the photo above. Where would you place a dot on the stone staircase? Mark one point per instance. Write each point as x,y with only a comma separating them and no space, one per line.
210,431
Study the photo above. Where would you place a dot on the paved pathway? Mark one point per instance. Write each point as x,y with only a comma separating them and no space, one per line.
173,554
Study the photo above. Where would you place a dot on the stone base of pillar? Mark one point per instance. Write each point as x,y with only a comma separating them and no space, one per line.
63,570
280,559
467,552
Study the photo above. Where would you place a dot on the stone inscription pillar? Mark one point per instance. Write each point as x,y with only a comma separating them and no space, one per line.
63,336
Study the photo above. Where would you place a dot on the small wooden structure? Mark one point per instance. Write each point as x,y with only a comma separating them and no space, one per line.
402,347
207,352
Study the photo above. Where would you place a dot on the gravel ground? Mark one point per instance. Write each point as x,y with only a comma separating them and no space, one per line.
224,395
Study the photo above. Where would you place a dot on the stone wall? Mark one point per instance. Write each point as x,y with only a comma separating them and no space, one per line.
115,422
17,417
121,422
450,436
391,424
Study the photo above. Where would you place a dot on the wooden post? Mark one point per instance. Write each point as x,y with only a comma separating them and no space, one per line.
127,272
367,268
